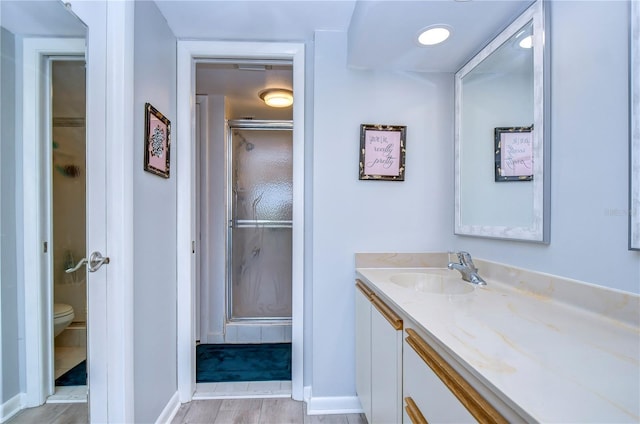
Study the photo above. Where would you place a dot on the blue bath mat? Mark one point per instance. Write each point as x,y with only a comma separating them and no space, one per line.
76,376
243,362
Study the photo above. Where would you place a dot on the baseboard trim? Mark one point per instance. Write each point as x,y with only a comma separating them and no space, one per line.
212,338
11,407
306,393
321,405
170,410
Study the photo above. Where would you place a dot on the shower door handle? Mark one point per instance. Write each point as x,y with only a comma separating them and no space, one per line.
96,260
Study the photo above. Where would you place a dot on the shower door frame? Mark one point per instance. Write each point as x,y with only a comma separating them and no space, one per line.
247,124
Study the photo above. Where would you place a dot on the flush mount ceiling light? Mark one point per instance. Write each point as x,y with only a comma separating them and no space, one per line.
434,34
277,97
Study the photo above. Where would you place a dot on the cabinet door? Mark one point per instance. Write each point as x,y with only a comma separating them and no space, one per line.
363,351
386,366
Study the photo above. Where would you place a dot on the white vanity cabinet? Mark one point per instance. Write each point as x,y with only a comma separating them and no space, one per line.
363,347
435,392
379,358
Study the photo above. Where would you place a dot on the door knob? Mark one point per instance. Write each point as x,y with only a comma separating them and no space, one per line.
96,260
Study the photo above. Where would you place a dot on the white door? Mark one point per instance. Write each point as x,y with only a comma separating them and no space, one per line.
109,197
110,136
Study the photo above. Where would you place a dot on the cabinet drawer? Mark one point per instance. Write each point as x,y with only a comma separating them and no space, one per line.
438,391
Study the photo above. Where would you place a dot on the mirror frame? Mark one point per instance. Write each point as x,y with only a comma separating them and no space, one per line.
634,127
539,229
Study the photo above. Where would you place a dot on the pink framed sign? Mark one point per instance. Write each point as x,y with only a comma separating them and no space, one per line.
157,142
382,152
513,153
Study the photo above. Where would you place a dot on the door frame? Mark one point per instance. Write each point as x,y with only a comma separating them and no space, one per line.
36,224
188,53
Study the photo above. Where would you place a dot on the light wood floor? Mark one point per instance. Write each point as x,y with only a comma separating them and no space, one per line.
53,413
217,411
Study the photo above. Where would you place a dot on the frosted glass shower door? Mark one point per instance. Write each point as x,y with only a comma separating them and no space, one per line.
259,271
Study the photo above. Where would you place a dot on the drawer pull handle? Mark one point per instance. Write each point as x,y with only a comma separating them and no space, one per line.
364,289
413,412
387,312
466,394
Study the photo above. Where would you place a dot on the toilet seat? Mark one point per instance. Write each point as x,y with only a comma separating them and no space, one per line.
61,310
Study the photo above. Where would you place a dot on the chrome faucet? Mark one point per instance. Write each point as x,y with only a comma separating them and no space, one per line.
467,268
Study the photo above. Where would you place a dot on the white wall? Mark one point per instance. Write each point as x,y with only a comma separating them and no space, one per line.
214,224
589,153
9,351
370,216
155,368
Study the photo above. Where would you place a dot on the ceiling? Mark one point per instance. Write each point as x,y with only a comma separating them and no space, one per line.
241,86
381,34
40,18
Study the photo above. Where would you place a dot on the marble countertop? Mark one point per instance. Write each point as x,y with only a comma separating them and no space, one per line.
554,350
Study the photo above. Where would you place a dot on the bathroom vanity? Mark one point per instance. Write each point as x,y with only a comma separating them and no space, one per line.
526,347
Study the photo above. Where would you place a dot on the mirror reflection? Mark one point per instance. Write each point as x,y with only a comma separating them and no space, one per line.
499,136
49,167
634,105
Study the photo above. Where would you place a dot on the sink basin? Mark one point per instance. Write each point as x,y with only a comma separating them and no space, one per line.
431,283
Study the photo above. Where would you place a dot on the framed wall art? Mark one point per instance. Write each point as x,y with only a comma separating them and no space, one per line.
157,141
513,153
382,152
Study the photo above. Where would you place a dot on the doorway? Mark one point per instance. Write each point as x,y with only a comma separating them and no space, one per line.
243,204
190,54
39,59
68,226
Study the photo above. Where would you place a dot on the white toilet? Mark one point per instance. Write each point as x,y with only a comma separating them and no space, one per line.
62,317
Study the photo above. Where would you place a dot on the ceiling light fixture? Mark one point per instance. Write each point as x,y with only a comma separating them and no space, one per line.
526,42
277,97
434,34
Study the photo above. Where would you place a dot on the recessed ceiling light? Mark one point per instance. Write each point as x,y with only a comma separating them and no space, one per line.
277,97
526,42
434,34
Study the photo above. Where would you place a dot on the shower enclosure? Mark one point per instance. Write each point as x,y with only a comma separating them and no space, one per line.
260,176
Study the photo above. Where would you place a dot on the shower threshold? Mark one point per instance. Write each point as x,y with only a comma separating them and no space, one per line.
243,390
257,331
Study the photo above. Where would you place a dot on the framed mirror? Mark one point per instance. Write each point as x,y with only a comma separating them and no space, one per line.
634,126
502,121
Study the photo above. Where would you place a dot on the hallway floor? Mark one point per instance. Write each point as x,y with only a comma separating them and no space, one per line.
256,411
214,411
53,413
